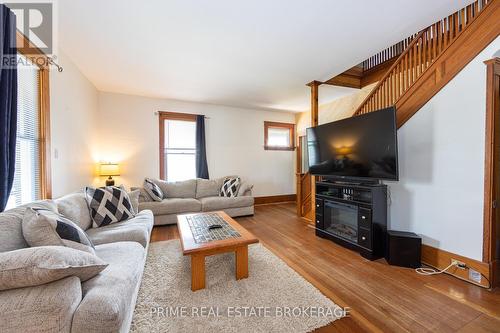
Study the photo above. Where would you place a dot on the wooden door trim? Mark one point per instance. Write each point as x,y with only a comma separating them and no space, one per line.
492,117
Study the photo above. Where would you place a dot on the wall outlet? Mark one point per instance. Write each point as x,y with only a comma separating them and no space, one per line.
458,263
474,275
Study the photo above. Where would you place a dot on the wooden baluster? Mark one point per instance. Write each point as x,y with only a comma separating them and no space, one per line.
397,81
386,94
462,19
389,94
439,37
476,8
394,93
414,64
382,92
469,16
434,37
409,68
405,78
455,25
420,62
424,48
446,30
388,90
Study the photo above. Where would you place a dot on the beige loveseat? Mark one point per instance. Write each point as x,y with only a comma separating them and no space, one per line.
105,303
195,195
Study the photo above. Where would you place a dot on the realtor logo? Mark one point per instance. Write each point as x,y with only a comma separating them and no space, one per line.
36,21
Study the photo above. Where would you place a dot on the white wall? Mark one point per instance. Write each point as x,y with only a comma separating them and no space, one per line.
441,156
73,115
129,134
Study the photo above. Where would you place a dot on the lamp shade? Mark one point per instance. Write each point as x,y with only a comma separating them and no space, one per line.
109,169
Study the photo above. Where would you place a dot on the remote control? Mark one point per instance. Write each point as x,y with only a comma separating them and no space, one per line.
214,226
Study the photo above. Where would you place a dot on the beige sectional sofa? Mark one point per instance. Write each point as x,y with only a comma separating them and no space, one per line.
105,303
195,195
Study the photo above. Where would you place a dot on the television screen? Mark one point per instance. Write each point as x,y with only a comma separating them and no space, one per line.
358,147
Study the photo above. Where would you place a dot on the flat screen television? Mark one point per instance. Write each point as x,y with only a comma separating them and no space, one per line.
357,148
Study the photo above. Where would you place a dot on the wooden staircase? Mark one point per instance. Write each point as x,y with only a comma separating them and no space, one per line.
432,58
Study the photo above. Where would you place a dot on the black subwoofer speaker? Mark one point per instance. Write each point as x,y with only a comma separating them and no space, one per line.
403,248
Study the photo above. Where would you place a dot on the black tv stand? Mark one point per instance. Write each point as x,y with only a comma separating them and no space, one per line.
353,215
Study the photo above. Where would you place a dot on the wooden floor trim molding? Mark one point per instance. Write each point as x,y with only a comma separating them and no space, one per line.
440,259
275,199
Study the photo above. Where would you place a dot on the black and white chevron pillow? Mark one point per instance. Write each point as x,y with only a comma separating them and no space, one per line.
230,187
153,190
43,227
108,205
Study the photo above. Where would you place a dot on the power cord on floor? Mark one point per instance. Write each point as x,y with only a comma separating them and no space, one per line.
432,271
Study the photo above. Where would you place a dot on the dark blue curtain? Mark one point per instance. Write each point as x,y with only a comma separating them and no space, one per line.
8,102
201,150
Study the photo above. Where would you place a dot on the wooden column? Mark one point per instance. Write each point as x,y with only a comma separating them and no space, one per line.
314,122
491,237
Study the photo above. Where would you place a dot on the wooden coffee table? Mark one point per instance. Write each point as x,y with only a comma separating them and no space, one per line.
199,250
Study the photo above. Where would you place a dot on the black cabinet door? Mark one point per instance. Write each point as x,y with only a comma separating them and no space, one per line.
365,218
365,238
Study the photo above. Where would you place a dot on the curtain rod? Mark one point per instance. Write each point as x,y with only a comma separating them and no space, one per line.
158,112
52,62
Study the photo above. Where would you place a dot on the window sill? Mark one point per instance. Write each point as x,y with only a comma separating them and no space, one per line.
279,148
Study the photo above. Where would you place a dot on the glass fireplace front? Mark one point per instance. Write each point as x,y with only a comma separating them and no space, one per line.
341,220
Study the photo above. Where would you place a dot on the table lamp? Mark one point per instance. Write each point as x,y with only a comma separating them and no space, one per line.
109,169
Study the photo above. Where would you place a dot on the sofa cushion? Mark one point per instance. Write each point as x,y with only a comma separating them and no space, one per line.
182,189
153,190
221,203
74,207
43,227
45,308
11,232
109,297
172,206
208,188
34,266
137,229
108,205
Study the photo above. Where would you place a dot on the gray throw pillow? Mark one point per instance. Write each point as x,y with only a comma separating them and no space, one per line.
43,227
108,205
74,207
208,187
134,200
180,189
244,187
34,266
143,195
153,190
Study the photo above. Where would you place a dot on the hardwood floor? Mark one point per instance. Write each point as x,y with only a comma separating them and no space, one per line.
382,298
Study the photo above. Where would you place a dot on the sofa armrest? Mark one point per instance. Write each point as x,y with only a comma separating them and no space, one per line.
245,189
45,308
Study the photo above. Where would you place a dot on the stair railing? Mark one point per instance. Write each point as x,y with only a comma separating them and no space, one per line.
424,48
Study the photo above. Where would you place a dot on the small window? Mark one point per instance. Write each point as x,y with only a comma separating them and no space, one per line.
177,146
279,136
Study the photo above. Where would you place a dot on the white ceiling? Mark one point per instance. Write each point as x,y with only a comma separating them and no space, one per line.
253,53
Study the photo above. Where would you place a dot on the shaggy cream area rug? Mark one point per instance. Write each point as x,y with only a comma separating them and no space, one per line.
274,298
